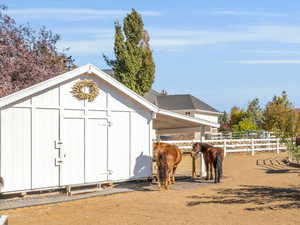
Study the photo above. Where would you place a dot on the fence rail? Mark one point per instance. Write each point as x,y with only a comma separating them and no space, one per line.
236,145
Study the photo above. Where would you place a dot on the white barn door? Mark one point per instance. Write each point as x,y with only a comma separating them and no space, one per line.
96,150
45,173
119,146
72,152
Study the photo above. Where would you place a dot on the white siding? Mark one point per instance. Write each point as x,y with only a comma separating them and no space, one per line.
16,149
208,117
47,98
119,146
141,161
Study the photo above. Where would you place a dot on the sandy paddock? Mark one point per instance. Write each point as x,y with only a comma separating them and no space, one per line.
256,190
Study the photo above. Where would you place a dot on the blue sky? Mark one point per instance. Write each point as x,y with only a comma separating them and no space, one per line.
223,52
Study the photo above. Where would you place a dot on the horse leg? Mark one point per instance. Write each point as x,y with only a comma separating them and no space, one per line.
216,173
167,181
157,177
173,174
211,171
194,167
207,171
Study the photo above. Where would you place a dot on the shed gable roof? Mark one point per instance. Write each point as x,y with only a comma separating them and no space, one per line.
72,74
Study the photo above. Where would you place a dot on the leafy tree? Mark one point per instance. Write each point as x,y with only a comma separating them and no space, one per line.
280,116
254,112
27,56
244,125
224,122
133,66
237,115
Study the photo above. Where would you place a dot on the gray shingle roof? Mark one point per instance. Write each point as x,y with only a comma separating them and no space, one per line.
182,102
109,72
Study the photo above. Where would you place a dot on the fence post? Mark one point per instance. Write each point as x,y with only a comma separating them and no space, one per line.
277,145
225,147
252,146
203,167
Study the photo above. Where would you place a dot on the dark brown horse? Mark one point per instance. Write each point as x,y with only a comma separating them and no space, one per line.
167,158
213,158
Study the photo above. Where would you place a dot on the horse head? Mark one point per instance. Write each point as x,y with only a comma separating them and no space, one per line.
196,149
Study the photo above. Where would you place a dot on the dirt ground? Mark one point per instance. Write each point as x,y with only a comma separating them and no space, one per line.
256,190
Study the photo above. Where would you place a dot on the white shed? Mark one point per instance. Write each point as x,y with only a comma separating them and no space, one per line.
49,138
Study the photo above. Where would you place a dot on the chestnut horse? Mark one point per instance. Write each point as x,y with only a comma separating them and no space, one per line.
167,158
213,158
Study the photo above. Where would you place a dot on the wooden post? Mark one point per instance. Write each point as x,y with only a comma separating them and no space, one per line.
277,145
3,220
224,146
203,167
252,146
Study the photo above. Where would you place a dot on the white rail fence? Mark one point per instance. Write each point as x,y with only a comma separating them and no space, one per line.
235,145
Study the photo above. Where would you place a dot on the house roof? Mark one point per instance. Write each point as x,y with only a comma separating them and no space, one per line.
178,102
182,102
90,69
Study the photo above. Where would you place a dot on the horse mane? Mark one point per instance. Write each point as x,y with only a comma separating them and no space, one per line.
204,147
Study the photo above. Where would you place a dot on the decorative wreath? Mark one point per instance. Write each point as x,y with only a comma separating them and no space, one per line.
79,93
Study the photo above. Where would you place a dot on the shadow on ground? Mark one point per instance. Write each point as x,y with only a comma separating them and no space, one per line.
277,166
182,183
264,197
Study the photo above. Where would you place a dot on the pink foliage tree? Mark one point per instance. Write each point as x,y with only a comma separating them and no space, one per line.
28,57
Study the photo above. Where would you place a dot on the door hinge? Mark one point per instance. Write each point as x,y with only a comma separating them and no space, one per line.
58,144
58,161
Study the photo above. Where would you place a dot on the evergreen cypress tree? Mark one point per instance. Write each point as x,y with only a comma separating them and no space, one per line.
133,66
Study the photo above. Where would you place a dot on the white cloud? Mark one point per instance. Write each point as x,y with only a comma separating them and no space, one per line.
271,52
87,47
70,14
244,13
176,39
272,61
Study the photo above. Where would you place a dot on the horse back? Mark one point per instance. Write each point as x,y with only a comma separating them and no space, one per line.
214,151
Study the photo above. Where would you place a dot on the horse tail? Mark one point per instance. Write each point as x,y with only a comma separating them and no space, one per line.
163,167
218,166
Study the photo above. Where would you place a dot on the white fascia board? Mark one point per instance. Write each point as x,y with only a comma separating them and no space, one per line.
208,112
198,111
188,118
71,74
